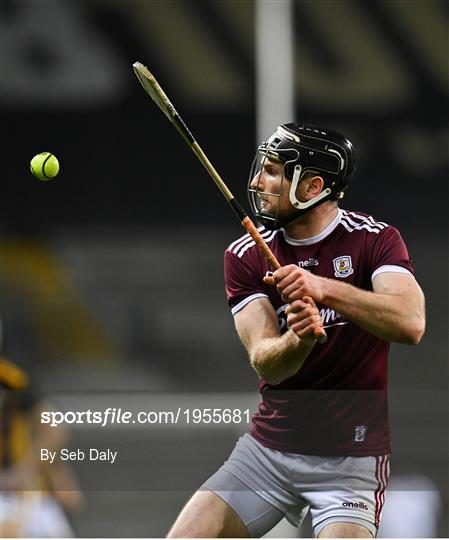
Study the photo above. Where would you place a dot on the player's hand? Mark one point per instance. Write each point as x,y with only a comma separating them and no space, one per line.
303,318
293,283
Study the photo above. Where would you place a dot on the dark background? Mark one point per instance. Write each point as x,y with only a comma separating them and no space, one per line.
111,274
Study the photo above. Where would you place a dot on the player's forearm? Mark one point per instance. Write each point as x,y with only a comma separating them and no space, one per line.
277,359
389,316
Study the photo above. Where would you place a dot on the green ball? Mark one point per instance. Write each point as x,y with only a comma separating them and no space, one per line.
44,166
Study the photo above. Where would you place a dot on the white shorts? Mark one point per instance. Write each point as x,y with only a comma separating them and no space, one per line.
263,485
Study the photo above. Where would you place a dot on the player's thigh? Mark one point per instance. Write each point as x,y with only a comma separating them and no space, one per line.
351,492
206,515
344,530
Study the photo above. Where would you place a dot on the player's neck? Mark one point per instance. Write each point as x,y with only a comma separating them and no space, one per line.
312,223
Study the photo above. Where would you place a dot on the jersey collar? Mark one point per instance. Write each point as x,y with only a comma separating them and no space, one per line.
314,239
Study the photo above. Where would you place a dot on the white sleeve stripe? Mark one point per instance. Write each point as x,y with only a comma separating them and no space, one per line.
252,243
350,228
363,224
242,239
247,239
370,219
246,301
390,268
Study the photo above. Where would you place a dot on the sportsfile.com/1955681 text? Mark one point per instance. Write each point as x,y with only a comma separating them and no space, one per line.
179,415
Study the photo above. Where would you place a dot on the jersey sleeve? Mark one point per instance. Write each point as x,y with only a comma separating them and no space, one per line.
243,280
389,254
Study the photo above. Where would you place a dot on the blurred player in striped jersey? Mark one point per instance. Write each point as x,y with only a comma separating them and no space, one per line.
320,440
35,497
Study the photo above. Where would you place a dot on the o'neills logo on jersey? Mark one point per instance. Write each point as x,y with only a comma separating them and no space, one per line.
350,504
310,262
343,266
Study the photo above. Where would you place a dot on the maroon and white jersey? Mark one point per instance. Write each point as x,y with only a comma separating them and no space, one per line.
337,402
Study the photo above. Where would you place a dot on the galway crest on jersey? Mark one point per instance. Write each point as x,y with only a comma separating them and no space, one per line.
343,266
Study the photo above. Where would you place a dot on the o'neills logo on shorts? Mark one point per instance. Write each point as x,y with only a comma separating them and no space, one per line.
349,504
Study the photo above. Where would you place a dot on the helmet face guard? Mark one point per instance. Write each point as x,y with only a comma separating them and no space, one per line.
266,204
301,151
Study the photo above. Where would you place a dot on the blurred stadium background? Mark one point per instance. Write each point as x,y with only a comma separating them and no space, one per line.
111,281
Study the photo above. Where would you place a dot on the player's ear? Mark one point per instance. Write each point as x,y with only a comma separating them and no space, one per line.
315,186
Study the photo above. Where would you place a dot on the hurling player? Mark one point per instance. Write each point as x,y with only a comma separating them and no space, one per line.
320,439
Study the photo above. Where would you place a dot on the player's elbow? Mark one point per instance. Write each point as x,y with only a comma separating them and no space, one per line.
417,321
414,331
272,380
266,370
417,333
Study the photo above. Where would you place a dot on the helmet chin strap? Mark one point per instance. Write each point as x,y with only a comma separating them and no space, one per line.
292,193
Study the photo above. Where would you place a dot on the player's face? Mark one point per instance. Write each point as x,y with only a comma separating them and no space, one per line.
271,188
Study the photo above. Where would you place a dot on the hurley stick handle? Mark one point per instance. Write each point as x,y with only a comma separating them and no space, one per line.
320,333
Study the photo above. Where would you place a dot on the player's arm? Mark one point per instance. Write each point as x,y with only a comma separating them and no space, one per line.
393,311
276,357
